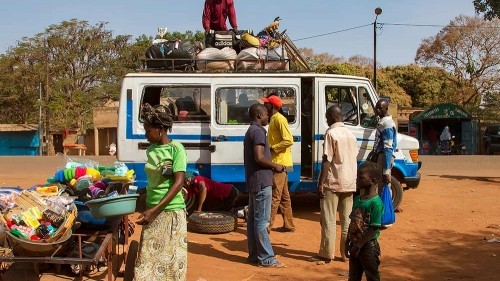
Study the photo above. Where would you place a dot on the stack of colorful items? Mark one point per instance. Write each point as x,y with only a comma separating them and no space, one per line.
87,181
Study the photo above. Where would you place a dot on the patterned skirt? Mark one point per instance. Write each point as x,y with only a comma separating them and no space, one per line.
163,250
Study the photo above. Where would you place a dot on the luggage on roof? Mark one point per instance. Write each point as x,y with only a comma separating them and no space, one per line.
170,54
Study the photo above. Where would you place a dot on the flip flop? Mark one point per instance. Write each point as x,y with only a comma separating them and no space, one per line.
319,260
276,265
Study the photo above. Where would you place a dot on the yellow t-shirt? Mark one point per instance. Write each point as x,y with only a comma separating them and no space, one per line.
280,140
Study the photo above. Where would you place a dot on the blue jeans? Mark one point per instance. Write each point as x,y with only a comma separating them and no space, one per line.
259,213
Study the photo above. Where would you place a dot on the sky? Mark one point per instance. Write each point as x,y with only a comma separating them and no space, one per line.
396,45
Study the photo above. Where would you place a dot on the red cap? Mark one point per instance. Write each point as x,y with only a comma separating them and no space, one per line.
274,100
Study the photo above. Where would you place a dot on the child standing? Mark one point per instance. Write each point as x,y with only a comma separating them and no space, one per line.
362,247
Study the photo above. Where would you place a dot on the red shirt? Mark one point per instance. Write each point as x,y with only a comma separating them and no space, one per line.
215,190
215,14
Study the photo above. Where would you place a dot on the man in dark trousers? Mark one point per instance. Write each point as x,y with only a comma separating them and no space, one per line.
215,14
259,182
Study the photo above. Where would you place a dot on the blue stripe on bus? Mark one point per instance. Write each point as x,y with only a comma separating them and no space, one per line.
321,137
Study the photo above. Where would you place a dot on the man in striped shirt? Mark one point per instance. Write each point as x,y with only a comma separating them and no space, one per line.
385,139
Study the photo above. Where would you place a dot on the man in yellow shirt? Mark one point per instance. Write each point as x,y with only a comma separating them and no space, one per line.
280,141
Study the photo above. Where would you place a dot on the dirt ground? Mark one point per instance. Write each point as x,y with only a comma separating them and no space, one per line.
440,234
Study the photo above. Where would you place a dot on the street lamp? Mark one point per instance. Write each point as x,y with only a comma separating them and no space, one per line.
378,11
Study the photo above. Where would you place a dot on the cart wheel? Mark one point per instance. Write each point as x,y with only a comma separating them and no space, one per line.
132,254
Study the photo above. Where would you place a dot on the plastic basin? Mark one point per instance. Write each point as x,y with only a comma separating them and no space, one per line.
112,206
88,221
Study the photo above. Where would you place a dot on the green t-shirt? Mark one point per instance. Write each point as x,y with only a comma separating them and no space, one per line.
158,185
365,213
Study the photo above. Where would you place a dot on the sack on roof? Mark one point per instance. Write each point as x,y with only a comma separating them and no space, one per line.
255,59
215,59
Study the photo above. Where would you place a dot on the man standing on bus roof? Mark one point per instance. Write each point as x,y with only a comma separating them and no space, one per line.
280,141
215,14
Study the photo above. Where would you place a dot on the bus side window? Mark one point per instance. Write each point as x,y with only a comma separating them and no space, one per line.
367,113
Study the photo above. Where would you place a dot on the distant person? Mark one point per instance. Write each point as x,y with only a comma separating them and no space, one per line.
336,185
259,181
280,142
362,247
445,139
432,135
243,99
212,195
215,14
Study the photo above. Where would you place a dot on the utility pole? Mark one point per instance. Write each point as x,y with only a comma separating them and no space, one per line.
48,140
378,11
40,131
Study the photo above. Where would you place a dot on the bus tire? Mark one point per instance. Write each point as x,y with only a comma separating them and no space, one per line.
212,222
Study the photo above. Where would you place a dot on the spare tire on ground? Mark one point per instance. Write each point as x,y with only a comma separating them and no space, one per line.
212,222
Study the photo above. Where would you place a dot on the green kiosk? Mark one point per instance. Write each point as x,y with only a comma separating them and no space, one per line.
428,125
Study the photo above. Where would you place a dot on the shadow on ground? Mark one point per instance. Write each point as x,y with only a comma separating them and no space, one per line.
484,179
446,255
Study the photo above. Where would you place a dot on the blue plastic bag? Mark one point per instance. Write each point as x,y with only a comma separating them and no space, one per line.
388,216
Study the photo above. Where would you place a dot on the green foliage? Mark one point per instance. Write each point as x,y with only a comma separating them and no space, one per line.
188,36
469,49
427,86
489,8
82,64
385,85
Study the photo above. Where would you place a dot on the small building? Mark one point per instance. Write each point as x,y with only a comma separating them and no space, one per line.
104,134
19,139
427,126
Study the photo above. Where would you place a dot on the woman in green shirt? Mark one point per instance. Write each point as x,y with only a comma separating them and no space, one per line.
163,251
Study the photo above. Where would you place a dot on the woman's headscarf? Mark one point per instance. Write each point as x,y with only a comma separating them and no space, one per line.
158,116
445,135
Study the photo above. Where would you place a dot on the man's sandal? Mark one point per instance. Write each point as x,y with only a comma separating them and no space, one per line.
275,265
319,260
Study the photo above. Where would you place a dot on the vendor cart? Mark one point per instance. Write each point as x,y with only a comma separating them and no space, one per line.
106,249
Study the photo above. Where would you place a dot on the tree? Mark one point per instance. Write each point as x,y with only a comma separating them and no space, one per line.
427,86
314,60
19,84
385,85
193,37
80,66
490,8
469,48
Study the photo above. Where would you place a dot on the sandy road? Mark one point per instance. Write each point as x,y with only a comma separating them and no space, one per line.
440,235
